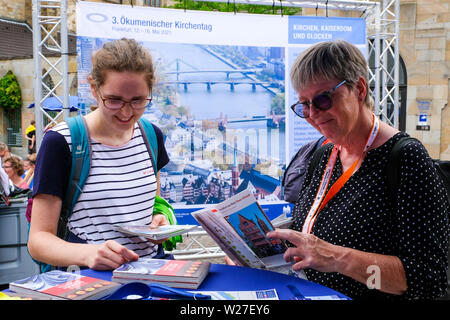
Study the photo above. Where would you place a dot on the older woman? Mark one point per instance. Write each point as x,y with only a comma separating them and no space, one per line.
122,183
349,232
13,167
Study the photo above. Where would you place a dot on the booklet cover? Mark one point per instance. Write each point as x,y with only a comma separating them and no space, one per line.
173,273
60,285
161,232
239,226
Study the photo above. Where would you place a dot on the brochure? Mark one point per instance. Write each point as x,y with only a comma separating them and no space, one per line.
173,273
161,232
61,285
239,226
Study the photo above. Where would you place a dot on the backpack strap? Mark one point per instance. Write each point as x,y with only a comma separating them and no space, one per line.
305,148
161,206
81,163
393,166
149,136
316,157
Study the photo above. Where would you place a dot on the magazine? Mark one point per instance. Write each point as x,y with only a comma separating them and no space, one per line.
161,232
239,226
172,273
61,285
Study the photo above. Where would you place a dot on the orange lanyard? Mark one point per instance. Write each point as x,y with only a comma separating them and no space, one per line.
322,197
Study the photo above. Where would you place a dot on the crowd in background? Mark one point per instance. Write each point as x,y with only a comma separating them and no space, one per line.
16,173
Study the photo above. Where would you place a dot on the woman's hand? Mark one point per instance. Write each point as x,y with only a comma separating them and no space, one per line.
309,250
158,220
315,253
109,255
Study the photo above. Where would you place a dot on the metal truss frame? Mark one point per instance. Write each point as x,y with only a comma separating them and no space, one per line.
382,20
50,32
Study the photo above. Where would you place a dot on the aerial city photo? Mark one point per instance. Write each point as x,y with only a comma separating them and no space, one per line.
221,109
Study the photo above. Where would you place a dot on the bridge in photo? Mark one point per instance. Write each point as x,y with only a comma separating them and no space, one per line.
231,83
227,72
249,75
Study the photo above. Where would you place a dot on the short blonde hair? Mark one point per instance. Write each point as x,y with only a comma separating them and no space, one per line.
121,55
330,60
3,146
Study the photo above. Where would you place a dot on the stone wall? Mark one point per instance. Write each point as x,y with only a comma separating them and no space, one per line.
17,10
424,47
23,69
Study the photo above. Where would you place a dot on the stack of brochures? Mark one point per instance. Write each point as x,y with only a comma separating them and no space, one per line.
60,285
172,273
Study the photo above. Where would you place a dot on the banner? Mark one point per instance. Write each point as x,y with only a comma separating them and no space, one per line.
222,95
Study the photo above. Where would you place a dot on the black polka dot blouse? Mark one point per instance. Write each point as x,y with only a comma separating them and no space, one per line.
411,224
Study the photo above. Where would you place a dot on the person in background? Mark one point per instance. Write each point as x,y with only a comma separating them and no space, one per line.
122,184
4,152
4,186
349,232
29,165
30,135
13,167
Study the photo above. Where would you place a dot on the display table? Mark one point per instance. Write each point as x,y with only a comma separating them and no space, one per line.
232,278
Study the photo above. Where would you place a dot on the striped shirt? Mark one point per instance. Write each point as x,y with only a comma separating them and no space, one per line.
120,189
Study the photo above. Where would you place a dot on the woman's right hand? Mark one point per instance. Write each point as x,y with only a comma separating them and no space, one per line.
109,255
44,223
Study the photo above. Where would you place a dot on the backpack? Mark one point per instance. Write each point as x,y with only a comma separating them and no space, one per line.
79,172
443,169
294,175
81,164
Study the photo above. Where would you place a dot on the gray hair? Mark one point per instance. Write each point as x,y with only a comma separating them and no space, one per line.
330,60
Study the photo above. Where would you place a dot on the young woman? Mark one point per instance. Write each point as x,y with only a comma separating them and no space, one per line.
122,184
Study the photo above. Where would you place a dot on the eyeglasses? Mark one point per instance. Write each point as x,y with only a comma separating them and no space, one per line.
117,104
322,101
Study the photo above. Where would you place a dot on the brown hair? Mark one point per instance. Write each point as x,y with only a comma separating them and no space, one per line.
16,164
32,158
331,60
121,55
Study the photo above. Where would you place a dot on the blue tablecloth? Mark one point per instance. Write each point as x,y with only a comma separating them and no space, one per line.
232,278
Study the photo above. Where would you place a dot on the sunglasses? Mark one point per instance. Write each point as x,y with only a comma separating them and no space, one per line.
322,101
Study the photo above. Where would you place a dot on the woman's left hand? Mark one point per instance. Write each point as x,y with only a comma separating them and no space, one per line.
158,220
309,250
